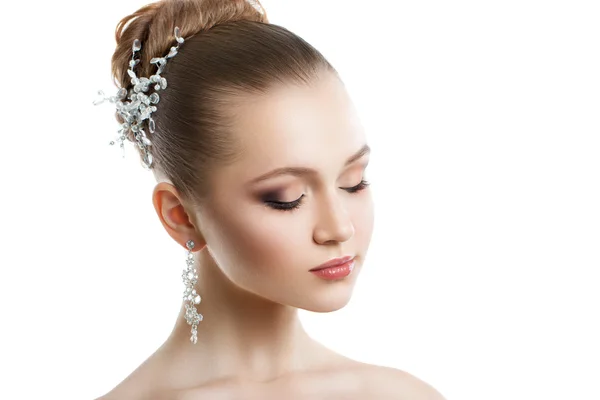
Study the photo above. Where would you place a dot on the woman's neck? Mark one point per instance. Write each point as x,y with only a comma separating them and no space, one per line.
242,337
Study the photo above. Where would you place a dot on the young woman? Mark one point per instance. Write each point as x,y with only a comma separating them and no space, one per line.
260,165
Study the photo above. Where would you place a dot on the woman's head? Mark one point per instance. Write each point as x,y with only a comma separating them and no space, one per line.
245,98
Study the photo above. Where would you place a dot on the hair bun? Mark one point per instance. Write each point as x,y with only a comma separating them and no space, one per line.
154,23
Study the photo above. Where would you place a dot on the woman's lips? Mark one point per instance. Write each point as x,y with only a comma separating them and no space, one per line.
334,262
336,272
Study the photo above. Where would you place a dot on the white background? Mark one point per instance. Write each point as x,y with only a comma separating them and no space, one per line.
482,276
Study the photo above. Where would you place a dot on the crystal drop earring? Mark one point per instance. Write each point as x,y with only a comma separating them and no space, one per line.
190,277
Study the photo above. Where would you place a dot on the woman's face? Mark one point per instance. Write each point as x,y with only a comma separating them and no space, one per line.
266,234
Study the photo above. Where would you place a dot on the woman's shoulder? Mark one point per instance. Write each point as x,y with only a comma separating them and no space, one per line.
389,382
141,384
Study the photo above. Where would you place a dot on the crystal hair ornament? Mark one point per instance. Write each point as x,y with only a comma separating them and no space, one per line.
135,106
190,277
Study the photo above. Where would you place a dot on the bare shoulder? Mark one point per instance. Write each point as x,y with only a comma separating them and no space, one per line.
397,384
137,386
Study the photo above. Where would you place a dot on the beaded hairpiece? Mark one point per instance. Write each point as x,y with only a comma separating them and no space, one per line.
134,106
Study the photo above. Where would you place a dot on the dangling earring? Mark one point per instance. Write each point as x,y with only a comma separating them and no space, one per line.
190,277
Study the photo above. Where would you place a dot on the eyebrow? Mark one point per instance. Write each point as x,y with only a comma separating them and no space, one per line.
301,171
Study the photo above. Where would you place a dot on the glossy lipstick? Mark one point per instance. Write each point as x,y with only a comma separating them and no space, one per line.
335,269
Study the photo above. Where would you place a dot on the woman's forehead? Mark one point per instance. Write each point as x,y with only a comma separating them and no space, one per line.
293,120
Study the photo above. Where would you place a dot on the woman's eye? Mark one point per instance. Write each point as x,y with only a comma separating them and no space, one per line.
362,185
294,205
285,206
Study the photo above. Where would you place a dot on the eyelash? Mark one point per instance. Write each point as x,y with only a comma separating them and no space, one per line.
293,205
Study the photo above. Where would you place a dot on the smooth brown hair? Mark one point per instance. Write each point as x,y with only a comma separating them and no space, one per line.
231,52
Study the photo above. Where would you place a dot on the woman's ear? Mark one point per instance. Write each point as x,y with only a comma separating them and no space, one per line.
178,221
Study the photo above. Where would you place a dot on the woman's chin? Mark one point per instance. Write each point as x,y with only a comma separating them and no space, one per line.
327,301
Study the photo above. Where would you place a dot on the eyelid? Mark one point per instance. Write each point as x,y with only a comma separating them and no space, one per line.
281,189
359,165
291,206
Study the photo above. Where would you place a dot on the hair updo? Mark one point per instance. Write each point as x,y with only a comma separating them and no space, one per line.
230,51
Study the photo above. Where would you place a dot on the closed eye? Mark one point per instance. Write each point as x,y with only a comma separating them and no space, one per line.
294,205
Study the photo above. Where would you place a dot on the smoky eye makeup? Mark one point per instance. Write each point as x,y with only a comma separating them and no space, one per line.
285,198
276,196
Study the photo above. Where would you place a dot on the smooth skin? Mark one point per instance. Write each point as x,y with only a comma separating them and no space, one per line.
253,260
